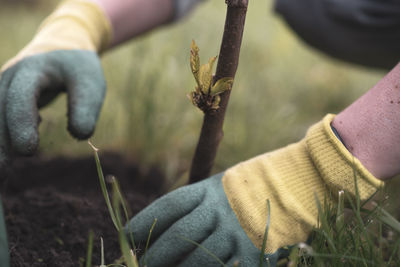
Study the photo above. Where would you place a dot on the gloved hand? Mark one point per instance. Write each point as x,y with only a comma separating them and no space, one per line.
62,57
227,213
201,213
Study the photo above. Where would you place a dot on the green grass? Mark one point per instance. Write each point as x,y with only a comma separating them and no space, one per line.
119,219
363,236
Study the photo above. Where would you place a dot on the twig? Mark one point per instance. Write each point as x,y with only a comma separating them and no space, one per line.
211,131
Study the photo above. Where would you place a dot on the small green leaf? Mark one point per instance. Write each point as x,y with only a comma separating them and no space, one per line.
195,61
205,75
221,86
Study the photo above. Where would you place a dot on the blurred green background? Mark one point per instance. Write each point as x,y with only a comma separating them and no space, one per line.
281,88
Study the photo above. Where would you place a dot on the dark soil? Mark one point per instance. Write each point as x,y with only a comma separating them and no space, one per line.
52,204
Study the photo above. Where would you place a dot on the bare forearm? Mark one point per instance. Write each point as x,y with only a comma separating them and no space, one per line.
370,127
130,18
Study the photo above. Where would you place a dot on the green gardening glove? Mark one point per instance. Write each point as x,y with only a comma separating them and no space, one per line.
200,213
62,57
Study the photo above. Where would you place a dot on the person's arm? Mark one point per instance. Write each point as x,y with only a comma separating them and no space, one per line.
130,18
370,127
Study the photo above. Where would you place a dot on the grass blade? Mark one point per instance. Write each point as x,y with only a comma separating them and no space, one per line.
114,210
129,257
103,186
395,248
123,203
264,244
388,219
102,252
326,229
148,240
340,212
118,201
204,249
89,250
335,256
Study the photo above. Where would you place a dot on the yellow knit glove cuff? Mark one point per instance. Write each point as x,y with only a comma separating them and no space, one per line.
289,178
336,164
74,25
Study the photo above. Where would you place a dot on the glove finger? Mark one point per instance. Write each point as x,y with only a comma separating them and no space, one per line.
21,105
220,243
175,244
5,80
167,209
86,88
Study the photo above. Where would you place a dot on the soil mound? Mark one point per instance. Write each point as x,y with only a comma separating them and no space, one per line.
51,204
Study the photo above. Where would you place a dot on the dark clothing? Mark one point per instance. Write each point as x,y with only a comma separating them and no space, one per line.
366,32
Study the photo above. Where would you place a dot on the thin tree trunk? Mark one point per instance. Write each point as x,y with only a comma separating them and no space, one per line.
211,131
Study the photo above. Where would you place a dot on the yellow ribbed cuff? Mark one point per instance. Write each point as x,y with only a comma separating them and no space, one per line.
88,15
74,25
336,164
290,178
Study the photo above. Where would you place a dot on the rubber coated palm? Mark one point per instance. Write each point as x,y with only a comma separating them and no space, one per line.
34,82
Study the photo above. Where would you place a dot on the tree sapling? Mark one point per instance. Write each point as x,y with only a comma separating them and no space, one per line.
214,106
